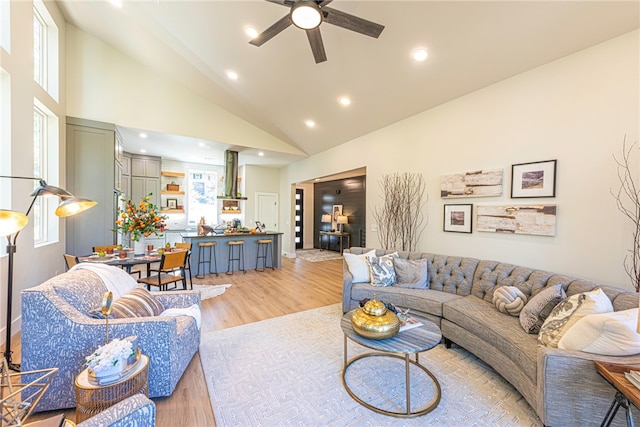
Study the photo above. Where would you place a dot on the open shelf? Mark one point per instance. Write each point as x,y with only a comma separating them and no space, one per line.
166,210
174,174
177,193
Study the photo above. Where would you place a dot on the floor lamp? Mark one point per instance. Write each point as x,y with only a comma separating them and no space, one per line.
12,222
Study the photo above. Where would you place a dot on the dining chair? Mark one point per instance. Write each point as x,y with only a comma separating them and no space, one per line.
187,247
170,264
70,260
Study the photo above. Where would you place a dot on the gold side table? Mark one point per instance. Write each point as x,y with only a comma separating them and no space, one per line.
93,398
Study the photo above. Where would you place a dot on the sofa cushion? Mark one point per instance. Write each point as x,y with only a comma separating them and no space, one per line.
411,273
381,270
569,311
530,316
82,289
137,303
509,299
421,300
482,319
609,334
358,266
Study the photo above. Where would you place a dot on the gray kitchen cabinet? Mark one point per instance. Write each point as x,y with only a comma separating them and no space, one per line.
145,166
141,187
91,174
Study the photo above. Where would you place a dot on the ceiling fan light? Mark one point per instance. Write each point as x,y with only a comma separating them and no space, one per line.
306,15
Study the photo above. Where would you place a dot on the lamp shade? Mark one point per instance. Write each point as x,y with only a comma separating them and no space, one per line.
343,219
326,218
49,190
74,205
11,222
306,15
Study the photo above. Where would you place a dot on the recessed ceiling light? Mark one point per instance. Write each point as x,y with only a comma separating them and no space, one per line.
419,54
143,135
142,150
260,154
251,31
310,123
232,75
116,3
344,100
201,144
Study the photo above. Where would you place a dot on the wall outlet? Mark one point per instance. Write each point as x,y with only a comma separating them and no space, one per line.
374,228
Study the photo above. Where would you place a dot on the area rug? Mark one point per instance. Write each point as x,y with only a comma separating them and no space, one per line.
286,371
316,255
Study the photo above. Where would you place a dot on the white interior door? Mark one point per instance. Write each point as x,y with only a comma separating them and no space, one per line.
267,210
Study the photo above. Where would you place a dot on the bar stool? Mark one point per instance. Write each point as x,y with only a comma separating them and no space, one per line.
239,256
267,251
202,246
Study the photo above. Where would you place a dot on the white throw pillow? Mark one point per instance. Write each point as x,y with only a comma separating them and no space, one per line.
608,334
569,311
358,266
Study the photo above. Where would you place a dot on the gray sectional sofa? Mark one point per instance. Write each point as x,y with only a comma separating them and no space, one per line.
562,386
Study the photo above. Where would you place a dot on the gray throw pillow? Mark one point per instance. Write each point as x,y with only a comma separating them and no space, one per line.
411,273
529,316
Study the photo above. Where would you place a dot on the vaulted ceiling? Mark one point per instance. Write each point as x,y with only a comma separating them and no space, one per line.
471,44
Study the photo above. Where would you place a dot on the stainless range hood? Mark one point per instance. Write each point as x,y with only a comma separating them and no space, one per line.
231,176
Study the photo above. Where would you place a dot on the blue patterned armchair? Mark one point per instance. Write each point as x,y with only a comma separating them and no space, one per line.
58,331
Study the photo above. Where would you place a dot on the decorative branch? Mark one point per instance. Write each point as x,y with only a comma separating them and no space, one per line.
628,202
401,218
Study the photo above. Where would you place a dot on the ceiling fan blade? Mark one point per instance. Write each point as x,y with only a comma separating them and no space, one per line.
271,32
317,47
323,3
287,3
351,22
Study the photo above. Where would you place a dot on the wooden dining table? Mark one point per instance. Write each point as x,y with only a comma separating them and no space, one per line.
126,263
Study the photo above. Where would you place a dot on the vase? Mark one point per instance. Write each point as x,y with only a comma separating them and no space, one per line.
139,246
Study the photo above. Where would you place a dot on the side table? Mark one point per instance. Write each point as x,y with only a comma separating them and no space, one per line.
626,393
93,398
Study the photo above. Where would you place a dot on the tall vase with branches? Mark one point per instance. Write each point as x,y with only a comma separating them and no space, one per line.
628,202
401,219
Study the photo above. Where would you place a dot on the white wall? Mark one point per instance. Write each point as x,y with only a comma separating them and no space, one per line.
258,179
576,110
19,64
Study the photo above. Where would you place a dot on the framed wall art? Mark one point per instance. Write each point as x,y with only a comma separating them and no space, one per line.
172,203
458,218
538,220
336,212
537,179
483,183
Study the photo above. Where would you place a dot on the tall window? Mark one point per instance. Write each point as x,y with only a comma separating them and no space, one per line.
45,49
5,25
5,139
46,166
202,196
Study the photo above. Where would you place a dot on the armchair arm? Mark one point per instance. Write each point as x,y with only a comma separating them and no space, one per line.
178,299
347,282
136,410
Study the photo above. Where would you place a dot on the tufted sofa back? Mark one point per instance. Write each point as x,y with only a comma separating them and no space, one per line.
446,273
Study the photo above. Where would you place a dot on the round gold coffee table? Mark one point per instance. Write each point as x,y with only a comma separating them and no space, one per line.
401,346
93,398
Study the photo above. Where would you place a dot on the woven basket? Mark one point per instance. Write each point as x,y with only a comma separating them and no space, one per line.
173,187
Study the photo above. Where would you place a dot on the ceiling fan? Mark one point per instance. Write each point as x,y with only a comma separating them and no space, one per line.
308,15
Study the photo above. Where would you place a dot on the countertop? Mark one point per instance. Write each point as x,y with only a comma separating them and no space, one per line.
194,234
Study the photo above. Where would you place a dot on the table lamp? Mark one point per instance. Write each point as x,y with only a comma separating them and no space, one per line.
326,218
342,219
12,222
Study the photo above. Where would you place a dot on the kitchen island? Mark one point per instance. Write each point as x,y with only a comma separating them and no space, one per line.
222,249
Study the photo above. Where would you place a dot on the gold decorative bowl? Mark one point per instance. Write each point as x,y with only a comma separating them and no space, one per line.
374,321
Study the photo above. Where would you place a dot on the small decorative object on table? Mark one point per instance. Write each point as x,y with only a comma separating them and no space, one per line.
111,360
373,320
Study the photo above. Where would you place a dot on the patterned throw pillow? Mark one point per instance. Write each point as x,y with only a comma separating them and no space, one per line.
569,311
509,299
137,303
411,273
382,271
529,316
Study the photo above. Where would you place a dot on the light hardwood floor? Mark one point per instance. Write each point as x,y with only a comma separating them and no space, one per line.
299,285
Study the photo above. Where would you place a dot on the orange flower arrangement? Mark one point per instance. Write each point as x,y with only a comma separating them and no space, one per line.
144,219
